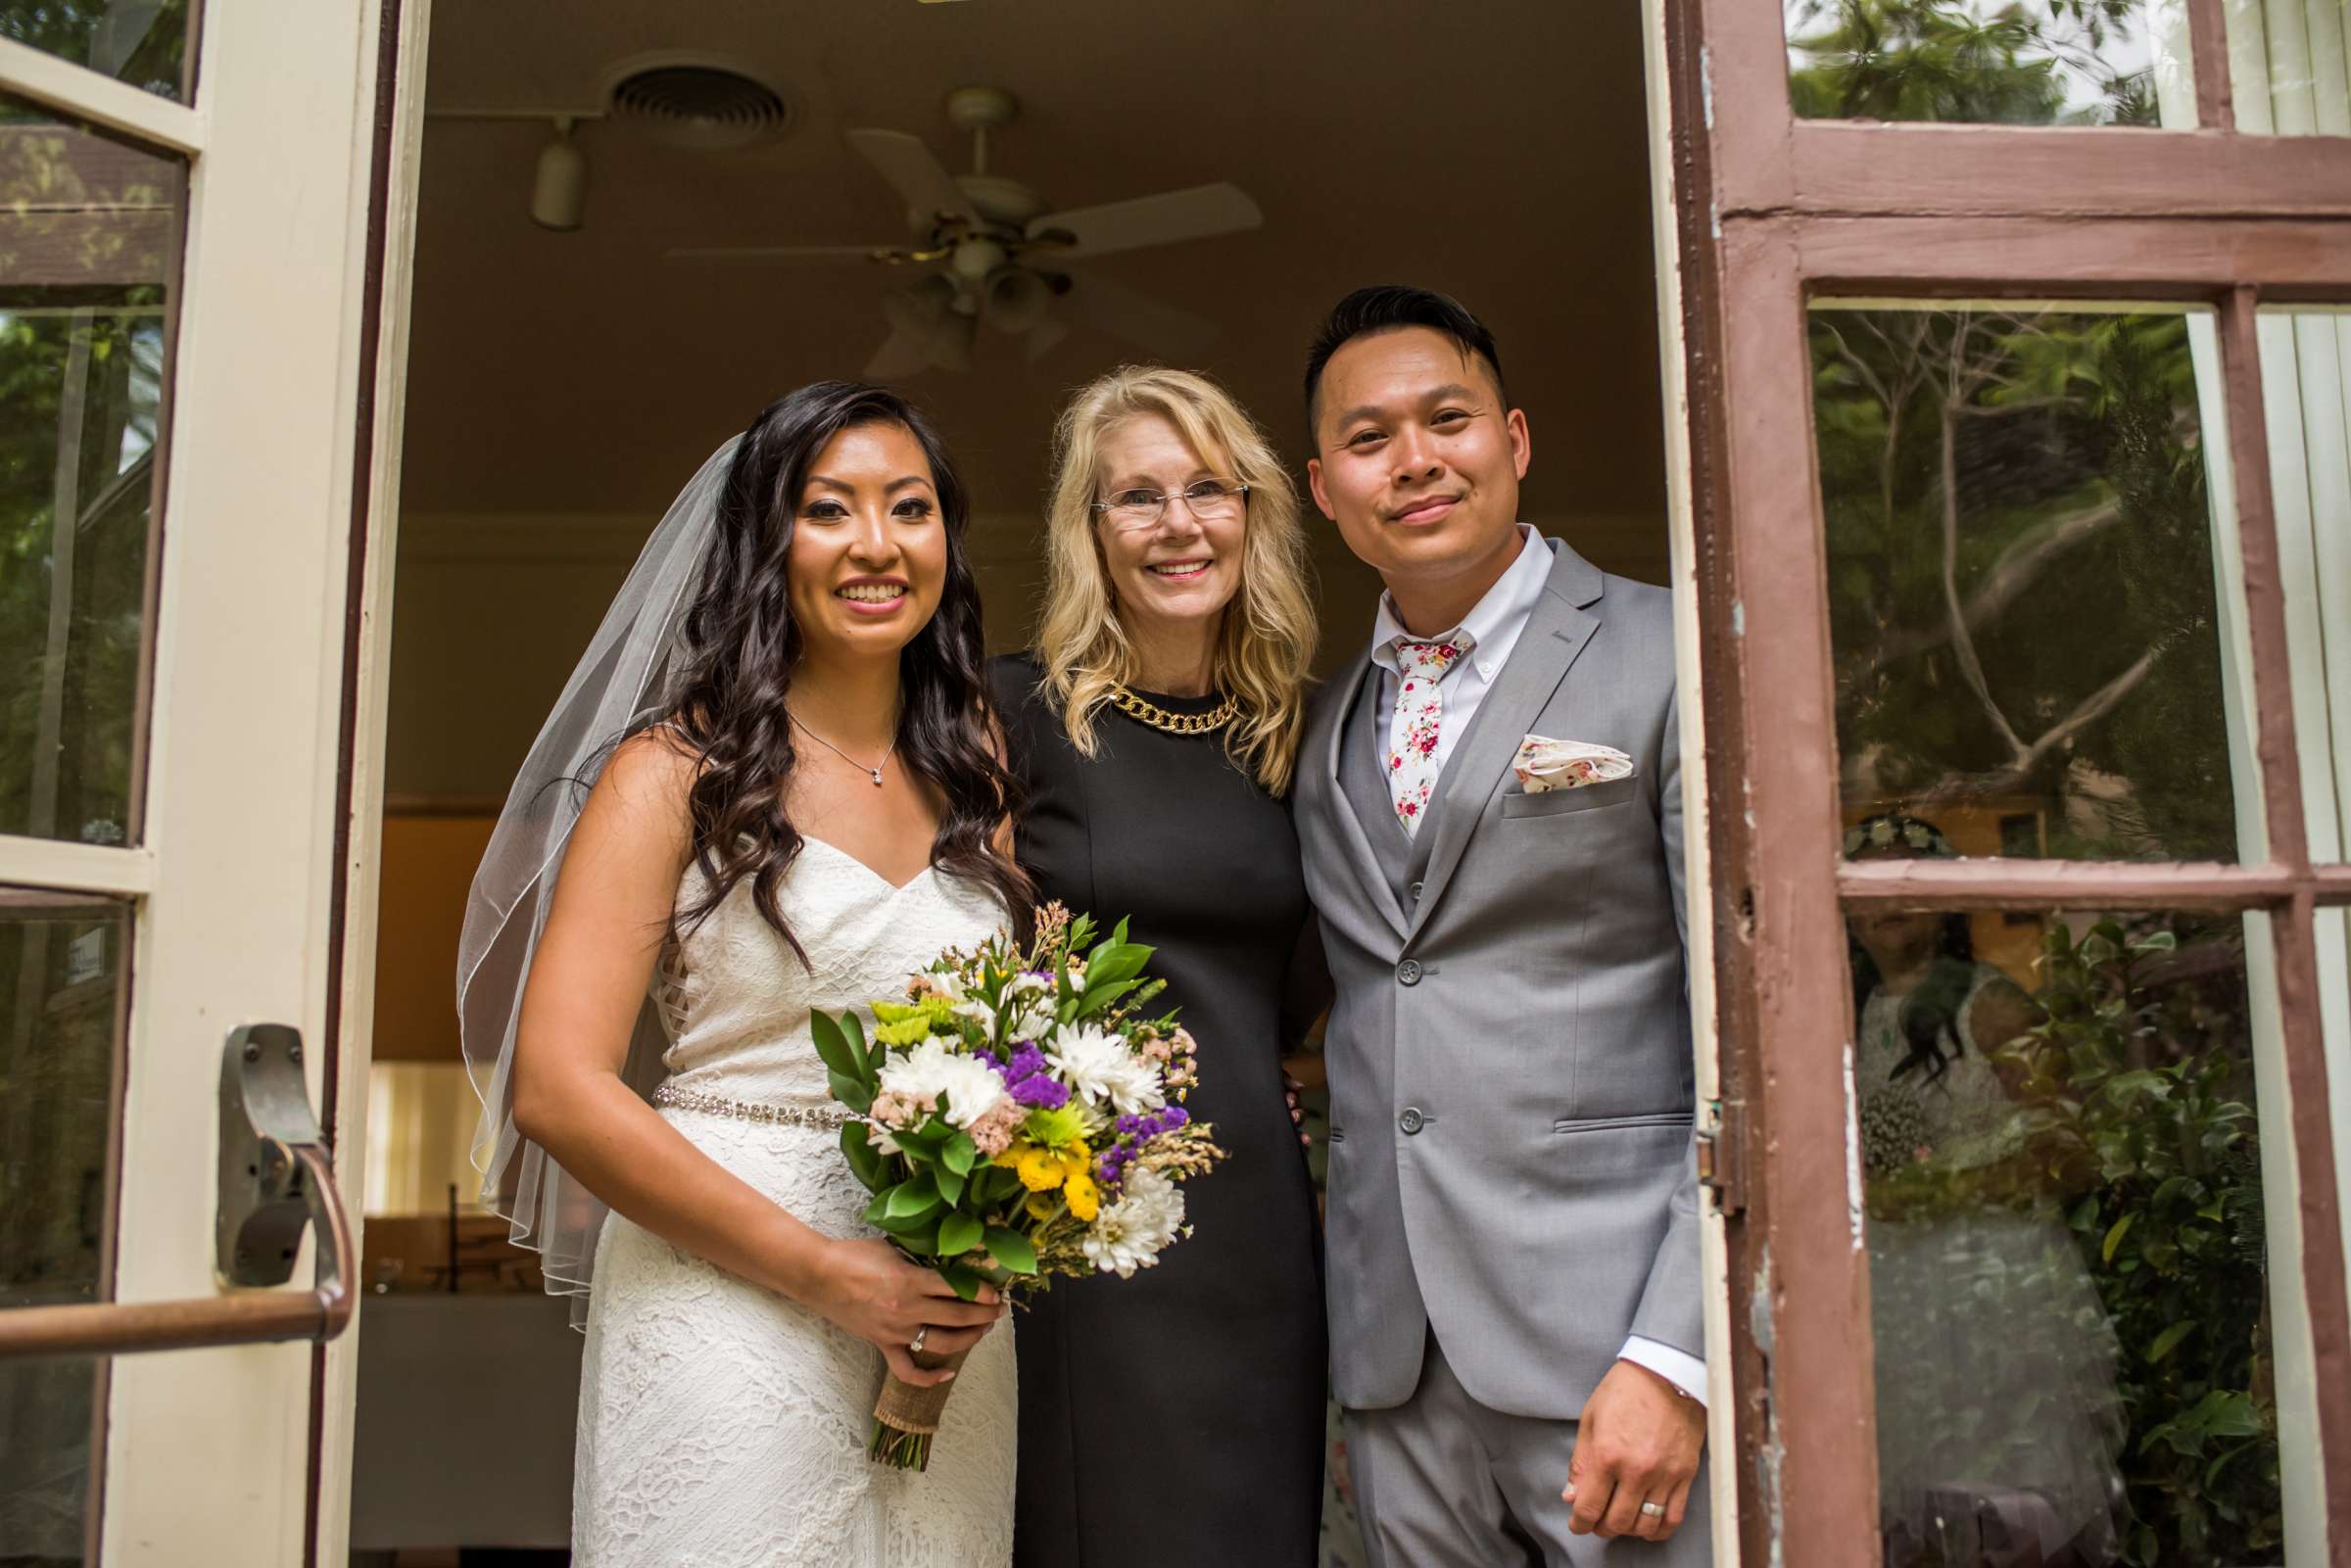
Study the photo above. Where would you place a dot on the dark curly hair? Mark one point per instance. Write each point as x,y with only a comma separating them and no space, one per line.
732,676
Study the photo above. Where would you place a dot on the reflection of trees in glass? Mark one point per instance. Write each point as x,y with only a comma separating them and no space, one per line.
66,703
2020,573
87,226
2033,63
143,43
60,1004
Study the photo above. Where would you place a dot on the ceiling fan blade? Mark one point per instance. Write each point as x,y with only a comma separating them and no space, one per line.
915,172
901,355
773,252
1161,220
1167,330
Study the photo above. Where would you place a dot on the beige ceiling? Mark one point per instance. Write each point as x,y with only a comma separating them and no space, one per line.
1495,150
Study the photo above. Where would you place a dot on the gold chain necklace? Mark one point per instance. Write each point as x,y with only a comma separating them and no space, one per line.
1159,718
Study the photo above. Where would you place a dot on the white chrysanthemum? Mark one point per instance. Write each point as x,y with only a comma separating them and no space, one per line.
1131,1234
929,1072
1101,1066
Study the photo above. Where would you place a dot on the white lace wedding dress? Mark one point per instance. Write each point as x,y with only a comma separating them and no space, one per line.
721,1424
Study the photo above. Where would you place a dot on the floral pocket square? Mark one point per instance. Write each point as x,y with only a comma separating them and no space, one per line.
1544,763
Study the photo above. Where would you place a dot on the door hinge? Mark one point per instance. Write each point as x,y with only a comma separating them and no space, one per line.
1723,1156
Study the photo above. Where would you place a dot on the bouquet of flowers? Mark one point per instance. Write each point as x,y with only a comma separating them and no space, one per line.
1016,1117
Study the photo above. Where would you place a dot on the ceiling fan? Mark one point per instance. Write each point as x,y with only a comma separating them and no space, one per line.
988,252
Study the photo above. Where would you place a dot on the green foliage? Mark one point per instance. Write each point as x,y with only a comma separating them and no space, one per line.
2020,572
147,50
2140,1092
2042,63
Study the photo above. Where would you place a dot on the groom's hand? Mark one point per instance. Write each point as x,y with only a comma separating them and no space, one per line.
1637,1441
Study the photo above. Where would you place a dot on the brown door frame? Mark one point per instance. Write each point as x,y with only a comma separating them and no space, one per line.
1773,212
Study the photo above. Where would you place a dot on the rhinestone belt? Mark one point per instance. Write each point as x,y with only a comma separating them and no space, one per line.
830,1118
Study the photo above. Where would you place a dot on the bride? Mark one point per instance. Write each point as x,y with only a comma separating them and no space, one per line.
771,787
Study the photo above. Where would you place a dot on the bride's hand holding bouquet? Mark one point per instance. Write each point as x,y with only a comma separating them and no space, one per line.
1017,1116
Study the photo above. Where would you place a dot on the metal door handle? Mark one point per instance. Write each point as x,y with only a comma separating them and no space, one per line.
276,1181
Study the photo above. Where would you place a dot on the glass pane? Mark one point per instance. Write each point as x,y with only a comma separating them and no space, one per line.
2062,1167
61,1006
1997,61
46,1496
2291,67
89,235
62,962
143,43
2021,580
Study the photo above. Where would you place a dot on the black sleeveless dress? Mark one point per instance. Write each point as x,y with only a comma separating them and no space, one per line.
1174,1419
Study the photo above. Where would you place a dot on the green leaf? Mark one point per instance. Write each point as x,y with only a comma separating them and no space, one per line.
914,1196
912,1225
1011,1249
1116,963
878,1209
833,1046
1099,997
950,1185
960,1277
2114,1237
959,1154
958,1234
851,1091
2169,1340
857,1142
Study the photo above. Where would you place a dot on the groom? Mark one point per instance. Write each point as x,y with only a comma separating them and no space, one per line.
1514,1265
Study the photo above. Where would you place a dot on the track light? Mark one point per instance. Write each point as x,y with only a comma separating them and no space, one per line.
560,188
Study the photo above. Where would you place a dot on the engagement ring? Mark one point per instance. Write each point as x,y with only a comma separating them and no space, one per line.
1655,1510
924,1333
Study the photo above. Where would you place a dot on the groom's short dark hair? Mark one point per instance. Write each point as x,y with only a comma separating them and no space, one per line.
1389,307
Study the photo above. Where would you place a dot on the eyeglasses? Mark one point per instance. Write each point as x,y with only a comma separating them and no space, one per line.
1211,501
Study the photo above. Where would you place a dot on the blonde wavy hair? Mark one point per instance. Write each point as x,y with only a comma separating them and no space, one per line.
1266,638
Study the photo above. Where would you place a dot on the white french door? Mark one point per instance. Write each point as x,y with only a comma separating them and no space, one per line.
199,229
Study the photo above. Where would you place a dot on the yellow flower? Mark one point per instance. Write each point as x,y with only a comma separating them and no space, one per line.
1040,1205
1075,1158
1084,1200
1040,1170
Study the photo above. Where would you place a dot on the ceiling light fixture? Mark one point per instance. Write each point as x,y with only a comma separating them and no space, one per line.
560,185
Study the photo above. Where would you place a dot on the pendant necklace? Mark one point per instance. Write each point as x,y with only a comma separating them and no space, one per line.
874,773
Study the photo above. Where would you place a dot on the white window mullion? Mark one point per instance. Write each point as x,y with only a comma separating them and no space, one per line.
71,868
84,94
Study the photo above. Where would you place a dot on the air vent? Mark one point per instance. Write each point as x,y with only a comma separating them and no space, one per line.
706,108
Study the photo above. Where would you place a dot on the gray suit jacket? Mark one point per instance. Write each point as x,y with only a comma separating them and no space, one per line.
1510,1052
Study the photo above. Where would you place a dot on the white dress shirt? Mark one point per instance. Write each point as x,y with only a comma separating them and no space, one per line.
1493,624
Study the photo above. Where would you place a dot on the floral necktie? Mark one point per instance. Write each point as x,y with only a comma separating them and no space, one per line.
1413,728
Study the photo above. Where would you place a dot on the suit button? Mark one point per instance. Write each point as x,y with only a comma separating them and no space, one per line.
1408,973
1411,1120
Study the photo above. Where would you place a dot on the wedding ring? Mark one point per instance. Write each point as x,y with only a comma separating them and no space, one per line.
1655,1510
921,1334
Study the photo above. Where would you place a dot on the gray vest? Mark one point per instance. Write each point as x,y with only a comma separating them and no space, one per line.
1403,861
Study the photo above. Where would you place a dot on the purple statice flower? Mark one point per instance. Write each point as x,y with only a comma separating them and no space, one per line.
1040,1091
1174,1116
1029,1082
